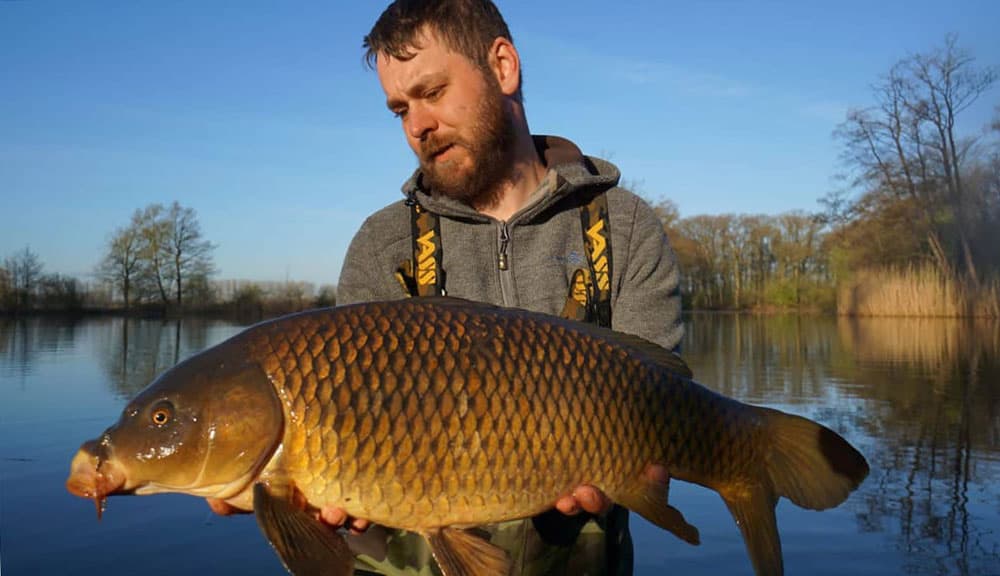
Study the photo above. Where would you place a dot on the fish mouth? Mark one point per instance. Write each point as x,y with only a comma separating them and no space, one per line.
94,475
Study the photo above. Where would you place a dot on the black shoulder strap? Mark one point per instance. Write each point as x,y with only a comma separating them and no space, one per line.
590,290
425,228
597,240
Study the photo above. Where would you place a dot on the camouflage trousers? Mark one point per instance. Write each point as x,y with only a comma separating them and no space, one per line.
549,544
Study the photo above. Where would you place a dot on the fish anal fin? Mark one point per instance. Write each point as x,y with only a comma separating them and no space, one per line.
304,545
753,509
649,499
466,553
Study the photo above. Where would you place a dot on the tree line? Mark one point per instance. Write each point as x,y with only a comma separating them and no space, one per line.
24,285
740,261
159,262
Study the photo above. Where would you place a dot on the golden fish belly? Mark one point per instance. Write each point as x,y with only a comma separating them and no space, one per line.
418,417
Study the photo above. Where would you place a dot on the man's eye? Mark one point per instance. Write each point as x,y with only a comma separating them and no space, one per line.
434,94
399,112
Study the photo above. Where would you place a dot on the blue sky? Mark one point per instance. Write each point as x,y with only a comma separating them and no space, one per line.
262,117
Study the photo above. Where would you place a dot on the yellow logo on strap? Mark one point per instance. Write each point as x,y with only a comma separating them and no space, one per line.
597,255
426,269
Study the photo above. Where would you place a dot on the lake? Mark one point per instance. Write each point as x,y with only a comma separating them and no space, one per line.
920,398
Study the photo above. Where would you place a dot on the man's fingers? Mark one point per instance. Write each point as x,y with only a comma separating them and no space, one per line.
584,498
591,499
333,516
337,517
568,505
359,525
221,507
657,473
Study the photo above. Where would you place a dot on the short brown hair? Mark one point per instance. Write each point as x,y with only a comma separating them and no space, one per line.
468,27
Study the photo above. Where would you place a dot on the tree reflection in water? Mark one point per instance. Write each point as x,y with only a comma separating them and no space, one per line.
22,339
941,429
922,397
135,351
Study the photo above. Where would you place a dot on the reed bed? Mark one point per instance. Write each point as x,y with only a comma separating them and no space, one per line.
919,291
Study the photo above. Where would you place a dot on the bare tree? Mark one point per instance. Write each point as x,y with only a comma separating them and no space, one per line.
187,252
122,262
160,254
6,288
905,148
154,230
23,270
948,86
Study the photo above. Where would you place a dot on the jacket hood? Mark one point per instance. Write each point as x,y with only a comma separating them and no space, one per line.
572,172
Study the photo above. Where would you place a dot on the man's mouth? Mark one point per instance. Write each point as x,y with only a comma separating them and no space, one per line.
438,152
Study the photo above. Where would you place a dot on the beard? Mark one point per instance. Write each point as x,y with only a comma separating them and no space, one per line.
491,146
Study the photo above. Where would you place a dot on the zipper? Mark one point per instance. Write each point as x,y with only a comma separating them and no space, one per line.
504,242
503,264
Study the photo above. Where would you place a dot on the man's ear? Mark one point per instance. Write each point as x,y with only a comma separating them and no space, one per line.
505,63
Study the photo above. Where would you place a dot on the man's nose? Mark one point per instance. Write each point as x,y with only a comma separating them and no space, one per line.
419,121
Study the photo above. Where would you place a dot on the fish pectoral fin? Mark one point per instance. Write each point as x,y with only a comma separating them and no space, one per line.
304,545
753,509
466,553
649,500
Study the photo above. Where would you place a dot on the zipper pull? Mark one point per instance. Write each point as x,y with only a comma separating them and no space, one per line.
504,240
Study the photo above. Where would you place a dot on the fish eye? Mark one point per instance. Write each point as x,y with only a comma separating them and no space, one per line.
162,413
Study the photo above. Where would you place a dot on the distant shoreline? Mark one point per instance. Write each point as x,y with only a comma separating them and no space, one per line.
229,312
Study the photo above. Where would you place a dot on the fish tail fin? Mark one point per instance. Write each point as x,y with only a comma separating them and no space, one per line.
810,464
753,509
807,463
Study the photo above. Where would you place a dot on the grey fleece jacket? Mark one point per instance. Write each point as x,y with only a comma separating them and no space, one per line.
544,247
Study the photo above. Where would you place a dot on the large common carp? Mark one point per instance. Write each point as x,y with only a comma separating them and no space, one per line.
435,415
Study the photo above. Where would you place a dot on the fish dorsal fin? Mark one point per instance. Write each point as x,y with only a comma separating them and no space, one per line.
454,302
654,352
465,553
304,545
651,350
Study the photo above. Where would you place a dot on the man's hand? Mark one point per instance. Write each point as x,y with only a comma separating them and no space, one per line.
588,498
585,498
335,517
223,508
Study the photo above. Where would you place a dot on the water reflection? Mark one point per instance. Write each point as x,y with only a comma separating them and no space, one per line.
936,385
23,339
924,392
133,352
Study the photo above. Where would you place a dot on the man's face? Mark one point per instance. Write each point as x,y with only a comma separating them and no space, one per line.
454,119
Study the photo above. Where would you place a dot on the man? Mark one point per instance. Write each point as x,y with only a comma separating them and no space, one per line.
494,214
506,225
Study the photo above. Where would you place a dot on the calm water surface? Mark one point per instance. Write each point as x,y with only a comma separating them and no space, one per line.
920,398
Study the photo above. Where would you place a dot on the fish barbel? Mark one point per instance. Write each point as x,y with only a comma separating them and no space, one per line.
436,414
